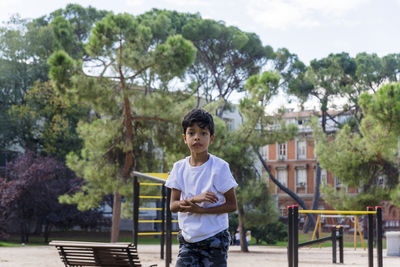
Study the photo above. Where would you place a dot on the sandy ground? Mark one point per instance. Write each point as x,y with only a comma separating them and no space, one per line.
47,256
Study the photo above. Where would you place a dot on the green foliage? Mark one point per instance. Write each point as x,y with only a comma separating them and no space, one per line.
254,195
62,69
45,122
98,162
176,52
384,108
270,233
236,147
226,57
71,27
124,48
26,46
342,201
362,159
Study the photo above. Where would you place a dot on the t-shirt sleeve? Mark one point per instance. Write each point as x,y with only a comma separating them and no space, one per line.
225,180
173,179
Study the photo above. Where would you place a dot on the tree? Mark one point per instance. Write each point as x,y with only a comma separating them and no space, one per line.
236,146
29,196
70,28
366,159
26,46
261,215
46,123
261,89
122,48
338,76
16,74
226,58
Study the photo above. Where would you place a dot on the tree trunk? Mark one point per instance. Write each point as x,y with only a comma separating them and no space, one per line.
116,216
316,198
46,233
243,242
22,230
284,188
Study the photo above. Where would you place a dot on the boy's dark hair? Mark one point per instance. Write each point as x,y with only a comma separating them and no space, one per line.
199,116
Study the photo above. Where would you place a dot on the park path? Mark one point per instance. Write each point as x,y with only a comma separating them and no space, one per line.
46,256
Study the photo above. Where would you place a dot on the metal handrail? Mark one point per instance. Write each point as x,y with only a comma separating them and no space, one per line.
146,176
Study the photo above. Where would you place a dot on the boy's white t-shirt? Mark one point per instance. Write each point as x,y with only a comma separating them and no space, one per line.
215,176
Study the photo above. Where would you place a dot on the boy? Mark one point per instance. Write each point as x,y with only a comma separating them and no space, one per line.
203,192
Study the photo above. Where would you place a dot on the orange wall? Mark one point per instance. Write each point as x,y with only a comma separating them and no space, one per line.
291,149
272,152
310,148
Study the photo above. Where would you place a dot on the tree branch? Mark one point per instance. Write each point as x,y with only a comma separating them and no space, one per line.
282,187
145,118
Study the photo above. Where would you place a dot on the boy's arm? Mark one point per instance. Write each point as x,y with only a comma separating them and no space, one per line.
175,200
230,205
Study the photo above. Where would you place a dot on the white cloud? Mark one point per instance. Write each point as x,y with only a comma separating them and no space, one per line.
280,14
169,4
8,8
135,3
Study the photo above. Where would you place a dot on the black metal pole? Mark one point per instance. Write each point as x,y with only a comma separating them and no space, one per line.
370,238
162,238
341,244
290,236
295,236
168,258
379,234
333,235
136,191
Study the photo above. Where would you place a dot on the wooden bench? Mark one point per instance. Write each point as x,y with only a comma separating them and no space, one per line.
76,253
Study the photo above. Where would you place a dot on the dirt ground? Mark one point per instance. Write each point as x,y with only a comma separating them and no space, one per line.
47,256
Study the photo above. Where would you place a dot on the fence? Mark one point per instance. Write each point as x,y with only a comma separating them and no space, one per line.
293,242
166,216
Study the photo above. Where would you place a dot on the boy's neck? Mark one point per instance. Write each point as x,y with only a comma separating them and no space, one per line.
198,159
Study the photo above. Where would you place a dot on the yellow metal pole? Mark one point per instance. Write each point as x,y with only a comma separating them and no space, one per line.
316,228
337,212
355,233
320,233
151,184
361,236
156,197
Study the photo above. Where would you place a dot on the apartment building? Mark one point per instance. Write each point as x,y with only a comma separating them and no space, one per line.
294,164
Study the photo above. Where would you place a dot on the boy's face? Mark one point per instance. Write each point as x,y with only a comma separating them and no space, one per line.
197,139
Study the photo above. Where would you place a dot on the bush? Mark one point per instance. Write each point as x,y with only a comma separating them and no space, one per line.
269,233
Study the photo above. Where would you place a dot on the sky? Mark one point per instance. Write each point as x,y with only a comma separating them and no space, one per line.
312,29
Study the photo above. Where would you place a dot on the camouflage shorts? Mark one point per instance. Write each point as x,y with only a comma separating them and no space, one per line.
211,252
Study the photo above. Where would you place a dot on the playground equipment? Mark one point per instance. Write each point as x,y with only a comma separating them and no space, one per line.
166,217
341,218
337,234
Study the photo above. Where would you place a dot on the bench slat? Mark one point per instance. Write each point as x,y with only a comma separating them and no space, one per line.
79,253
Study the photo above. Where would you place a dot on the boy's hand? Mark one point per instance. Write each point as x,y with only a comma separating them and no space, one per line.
206,196
189,206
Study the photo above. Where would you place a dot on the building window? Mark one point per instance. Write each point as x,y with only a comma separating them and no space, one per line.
282,151
264,152
324,177
337,182
282,176
301,149
282,211
381,181
339,185
229,124
301,177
